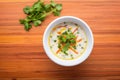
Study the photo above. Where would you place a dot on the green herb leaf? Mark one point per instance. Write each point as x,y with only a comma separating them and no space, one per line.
56,13
36,5
53,4
59,46
65,53
48,7
59,7
72,41
71,56
26,10
77,32
27,26
66,47
22,21
55,40
74,47
42,18
37,23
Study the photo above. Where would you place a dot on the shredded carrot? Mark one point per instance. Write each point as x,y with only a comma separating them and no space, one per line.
73,44
60,26
79,40
58,51
69,28
54,28
59,32
75,30
62,30
76,38
73,50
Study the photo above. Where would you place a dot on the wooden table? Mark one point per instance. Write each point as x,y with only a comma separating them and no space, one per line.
22,56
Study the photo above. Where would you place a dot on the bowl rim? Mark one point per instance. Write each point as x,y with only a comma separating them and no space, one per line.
57,60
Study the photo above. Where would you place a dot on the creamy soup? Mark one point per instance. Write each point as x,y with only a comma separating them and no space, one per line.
67,40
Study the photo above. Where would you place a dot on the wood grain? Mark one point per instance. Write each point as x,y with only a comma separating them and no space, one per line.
22,56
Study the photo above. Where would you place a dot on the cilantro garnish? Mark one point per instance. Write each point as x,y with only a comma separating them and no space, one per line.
65,40
38,12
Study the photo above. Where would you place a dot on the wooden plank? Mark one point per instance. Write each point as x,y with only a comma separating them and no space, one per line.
22,56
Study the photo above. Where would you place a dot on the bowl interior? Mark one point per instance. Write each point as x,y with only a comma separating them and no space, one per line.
74,61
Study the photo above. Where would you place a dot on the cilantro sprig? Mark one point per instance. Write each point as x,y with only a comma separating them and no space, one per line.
66,40
38,12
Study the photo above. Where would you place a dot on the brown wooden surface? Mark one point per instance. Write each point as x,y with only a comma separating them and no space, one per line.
22,56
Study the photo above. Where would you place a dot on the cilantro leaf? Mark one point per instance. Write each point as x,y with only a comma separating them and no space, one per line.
36,23
59,7
56,13
26,10
27,26
43,17
36,5
66,47
22,21
48,7
59,46
53,4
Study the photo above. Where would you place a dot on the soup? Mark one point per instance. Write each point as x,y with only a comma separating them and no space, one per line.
67,40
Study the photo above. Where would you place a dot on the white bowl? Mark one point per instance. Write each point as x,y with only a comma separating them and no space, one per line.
74,61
